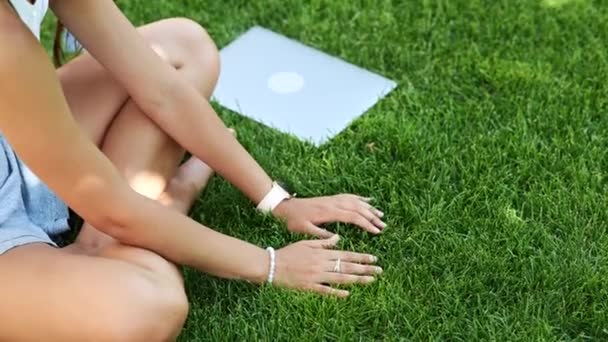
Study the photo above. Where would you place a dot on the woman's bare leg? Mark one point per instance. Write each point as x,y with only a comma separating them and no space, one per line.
187,47
145,155
108,291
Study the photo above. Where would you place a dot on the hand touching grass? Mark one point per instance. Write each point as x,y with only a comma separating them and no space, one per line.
304,215
312,265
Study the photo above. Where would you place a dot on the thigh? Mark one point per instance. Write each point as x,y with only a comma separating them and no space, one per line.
95,98
71,297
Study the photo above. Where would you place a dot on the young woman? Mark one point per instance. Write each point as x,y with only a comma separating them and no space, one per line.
106,133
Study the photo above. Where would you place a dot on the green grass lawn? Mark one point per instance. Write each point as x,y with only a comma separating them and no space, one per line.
489,160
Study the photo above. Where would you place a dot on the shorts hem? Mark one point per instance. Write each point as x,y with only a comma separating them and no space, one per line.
9,244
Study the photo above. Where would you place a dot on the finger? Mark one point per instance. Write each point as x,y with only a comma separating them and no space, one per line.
362,202
371,217
353,203
359,258
365,199
329,291
366,205
358,220
378,223
342,278
354,268
325,243
377,212
318,232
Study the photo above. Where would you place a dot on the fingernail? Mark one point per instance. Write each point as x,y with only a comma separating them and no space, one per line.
382,224
379,213
369,279
373,258
379,270
337,237
376,231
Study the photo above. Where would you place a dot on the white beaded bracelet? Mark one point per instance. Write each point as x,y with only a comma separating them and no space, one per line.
273,265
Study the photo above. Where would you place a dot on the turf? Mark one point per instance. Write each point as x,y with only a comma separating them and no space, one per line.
489,159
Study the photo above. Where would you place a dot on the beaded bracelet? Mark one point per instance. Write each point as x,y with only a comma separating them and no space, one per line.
271,253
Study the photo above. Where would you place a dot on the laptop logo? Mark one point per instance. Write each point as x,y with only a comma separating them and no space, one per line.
285,82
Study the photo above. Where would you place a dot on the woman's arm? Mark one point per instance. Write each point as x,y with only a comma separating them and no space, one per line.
161,93
36,120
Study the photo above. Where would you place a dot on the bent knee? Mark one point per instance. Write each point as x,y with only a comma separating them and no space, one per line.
194,43
110,300
146,310
157,267
187,46
189,33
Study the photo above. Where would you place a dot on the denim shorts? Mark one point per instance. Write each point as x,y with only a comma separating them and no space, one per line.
29,211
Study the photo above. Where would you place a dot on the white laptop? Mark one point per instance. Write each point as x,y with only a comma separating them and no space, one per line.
294,88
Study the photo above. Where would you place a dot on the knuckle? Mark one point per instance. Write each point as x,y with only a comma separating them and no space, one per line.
303,243
319,256
308,287
348,256
363,205
360,220
362,258
368,215
346,199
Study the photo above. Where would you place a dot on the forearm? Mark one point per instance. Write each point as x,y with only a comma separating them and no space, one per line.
45,135
186,242
161,93
200,131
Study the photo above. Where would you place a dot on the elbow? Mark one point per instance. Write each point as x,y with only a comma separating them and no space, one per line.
110,222
113,213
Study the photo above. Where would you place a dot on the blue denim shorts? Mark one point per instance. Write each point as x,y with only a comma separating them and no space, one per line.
29,211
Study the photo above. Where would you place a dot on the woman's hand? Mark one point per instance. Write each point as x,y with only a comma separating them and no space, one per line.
311,265
303,215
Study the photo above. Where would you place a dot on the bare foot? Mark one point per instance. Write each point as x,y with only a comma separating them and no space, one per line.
181,192
190,179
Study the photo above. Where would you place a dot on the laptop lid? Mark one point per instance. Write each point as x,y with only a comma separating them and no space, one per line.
295,88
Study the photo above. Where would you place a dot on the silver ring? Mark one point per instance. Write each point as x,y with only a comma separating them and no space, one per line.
337,266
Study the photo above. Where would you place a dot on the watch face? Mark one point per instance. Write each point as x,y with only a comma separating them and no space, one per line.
285,186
